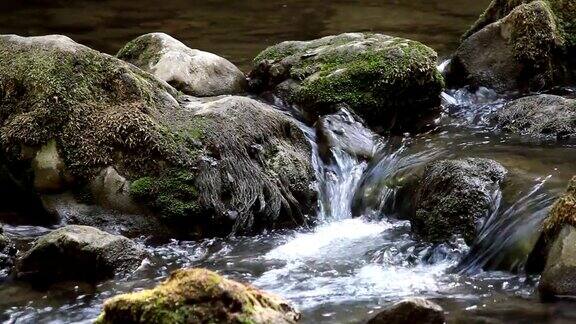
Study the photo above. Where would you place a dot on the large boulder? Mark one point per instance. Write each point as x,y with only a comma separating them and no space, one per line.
76,121
554,255
78,253
198,296
191,71
518,45
540,116
390,82
451,198
409,311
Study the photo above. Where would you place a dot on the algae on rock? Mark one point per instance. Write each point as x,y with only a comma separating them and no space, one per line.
391,82
198,296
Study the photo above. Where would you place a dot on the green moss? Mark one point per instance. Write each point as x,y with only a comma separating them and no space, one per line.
142,51
369,80
196,296
173,194
564,13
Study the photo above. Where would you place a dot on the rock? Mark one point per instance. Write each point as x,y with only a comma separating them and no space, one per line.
202,167
49,169
518,45
78,253
540,116
198,296
254,171
411,310
191,71
341,131
451,198
392,83
555,252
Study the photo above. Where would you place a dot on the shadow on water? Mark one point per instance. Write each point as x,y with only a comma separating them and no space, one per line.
238,30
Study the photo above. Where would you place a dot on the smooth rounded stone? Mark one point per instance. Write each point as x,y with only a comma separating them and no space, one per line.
451,198
201,167
49,169
540,116
198,296
343,132
191,71
410,311
77,252
391,82
554,255
518,46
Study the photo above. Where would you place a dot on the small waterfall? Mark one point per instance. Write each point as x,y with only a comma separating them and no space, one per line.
508,235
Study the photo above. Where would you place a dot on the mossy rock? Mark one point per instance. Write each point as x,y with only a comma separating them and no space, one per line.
539,117
198,296
78,253
204,167
518,45
389,81
554,255
451,198
564,12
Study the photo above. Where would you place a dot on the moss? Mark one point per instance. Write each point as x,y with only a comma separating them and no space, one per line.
173,194
376,75
142,51
92,104
564,12
563,212
194,296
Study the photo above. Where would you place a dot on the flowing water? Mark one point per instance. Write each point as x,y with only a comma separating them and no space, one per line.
345,268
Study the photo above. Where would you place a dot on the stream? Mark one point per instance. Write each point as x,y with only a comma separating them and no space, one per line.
344,269
357,259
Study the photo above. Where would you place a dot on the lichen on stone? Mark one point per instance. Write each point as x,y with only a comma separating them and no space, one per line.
198,296
375,75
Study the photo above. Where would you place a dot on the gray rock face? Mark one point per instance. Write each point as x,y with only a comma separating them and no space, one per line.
519,50
191,71
559,275
541,116
451,198
411,311
115,137
342,131
554,255
78,253
392,83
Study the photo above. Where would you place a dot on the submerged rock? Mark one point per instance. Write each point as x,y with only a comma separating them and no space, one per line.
518,45
451,198
409,311
555,253
198,296
390,82
78,253
191,71
540,116
113,136
341,131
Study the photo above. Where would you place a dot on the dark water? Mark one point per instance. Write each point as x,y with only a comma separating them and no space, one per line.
238,30
344,270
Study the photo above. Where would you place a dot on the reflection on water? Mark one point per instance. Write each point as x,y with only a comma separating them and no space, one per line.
238,30
345,269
